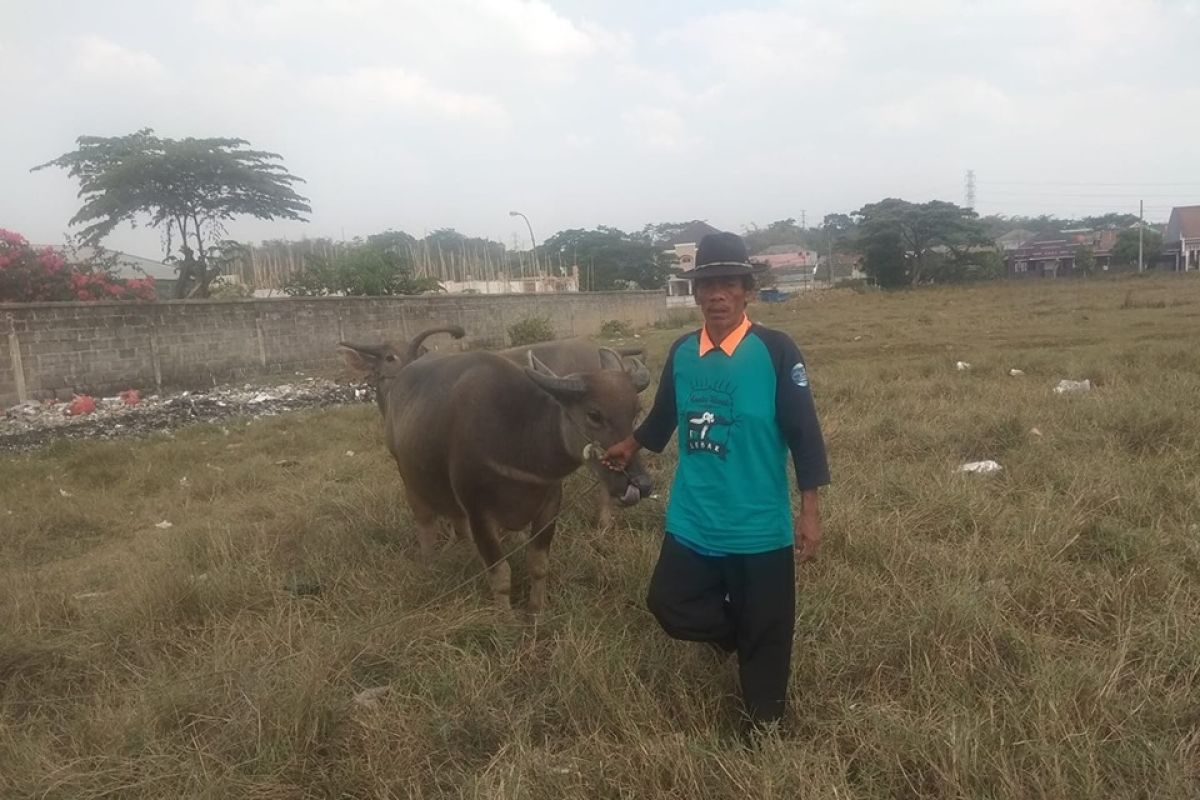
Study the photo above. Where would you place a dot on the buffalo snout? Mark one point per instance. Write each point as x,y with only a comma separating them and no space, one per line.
637,485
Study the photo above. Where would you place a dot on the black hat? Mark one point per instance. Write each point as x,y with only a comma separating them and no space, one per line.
720,255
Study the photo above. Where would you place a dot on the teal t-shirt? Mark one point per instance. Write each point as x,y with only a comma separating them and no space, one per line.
737,416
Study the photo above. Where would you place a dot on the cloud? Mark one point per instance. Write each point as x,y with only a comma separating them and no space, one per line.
755,45
415,31
661,130
98,59
372,89
948,101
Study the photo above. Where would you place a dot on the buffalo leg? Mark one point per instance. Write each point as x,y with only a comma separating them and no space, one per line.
427,527
538,559
462,528
603,507
487,542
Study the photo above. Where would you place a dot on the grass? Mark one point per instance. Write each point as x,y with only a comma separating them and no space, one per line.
1030,634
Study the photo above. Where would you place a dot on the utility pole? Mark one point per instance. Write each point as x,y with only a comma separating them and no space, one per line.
1141,226
971,189
830,270
532,240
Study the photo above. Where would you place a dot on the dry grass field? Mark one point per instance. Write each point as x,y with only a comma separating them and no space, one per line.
1029,634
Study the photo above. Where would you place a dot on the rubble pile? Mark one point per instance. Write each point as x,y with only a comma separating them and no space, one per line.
31,425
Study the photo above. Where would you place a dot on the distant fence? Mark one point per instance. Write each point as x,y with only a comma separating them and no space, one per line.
56,349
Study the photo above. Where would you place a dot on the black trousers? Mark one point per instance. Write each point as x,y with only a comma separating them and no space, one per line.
687,597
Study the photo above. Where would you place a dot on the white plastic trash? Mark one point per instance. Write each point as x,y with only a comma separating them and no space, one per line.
1072,387
962,366
981,467
1016,373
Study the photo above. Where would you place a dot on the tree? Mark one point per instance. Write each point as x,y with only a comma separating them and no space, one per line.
1125,251
1085,259
837,231
780,232
919,227
189,188
665,234
609,258
364,270
883,260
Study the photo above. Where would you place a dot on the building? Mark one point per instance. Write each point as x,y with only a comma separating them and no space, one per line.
683,251
792,265
1181,242
1053,254
539,284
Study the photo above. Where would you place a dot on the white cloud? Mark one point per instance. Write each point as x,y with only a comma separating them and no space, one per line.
661,130
753,45
367,91
99,59
939,104
415,30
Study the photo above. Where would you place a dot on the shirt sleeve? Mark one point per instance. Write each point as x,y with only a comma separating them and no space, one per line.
658,427
796,414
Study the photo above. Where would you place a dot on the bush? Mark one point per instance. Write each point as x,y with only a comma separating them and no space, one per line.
362,271
224,289
616,329
530,330
31,276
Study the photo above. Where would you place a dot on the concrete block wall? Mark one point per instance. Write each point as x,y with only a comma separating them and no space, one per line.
50,350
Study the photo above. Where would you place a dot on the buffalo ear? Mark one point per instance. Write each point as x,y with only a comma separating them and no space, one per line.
638,372
567,388
610,359
365,359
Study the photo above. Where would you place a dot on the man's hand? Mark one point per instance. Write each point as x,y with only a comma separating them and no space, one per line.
808,537
808,528
620,454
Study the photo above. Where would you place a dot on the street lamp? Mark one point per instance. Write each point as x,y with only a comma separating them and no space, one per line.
532,240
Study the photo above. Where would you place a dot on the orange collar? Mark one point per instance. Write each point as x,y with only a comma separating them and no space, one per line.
729,343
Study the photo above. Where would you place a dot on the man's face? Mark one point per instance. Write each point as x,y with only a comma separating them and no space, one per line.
722,300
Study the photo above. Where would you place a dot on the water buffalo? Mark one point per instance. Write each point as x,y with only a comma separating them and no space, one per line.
567,356
487,443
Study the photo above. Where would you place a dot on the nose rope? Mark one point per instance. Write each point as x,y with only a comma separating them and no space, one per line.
594,450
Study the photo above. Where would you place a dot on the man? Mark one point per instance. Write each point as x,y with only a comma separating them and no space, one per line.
739,394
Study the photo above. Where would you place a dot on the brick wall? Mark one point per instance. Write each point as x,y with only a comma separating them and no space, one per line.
55,349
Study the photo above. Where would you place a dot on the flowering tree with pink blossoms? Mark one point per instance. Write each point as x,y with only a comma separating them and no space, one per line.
31,275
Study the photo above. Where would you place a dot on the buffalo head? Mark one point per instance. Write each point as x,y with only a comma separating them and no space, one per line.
600,409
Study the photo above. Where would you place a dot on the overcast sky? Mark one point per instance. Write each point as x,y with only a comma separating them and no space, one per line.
449,113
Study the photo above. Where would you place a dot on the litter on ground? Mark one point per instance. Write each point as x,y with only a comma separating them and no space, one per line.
30,425
980,467
1073,387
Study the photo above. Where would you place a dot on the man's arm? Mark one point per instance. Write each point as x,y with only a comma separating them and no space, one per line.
656,430
796,414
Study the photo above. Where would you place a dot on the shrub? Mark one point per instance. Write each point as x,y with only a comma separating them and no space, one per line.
616,329
28,275
224,289
361,271
530,330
